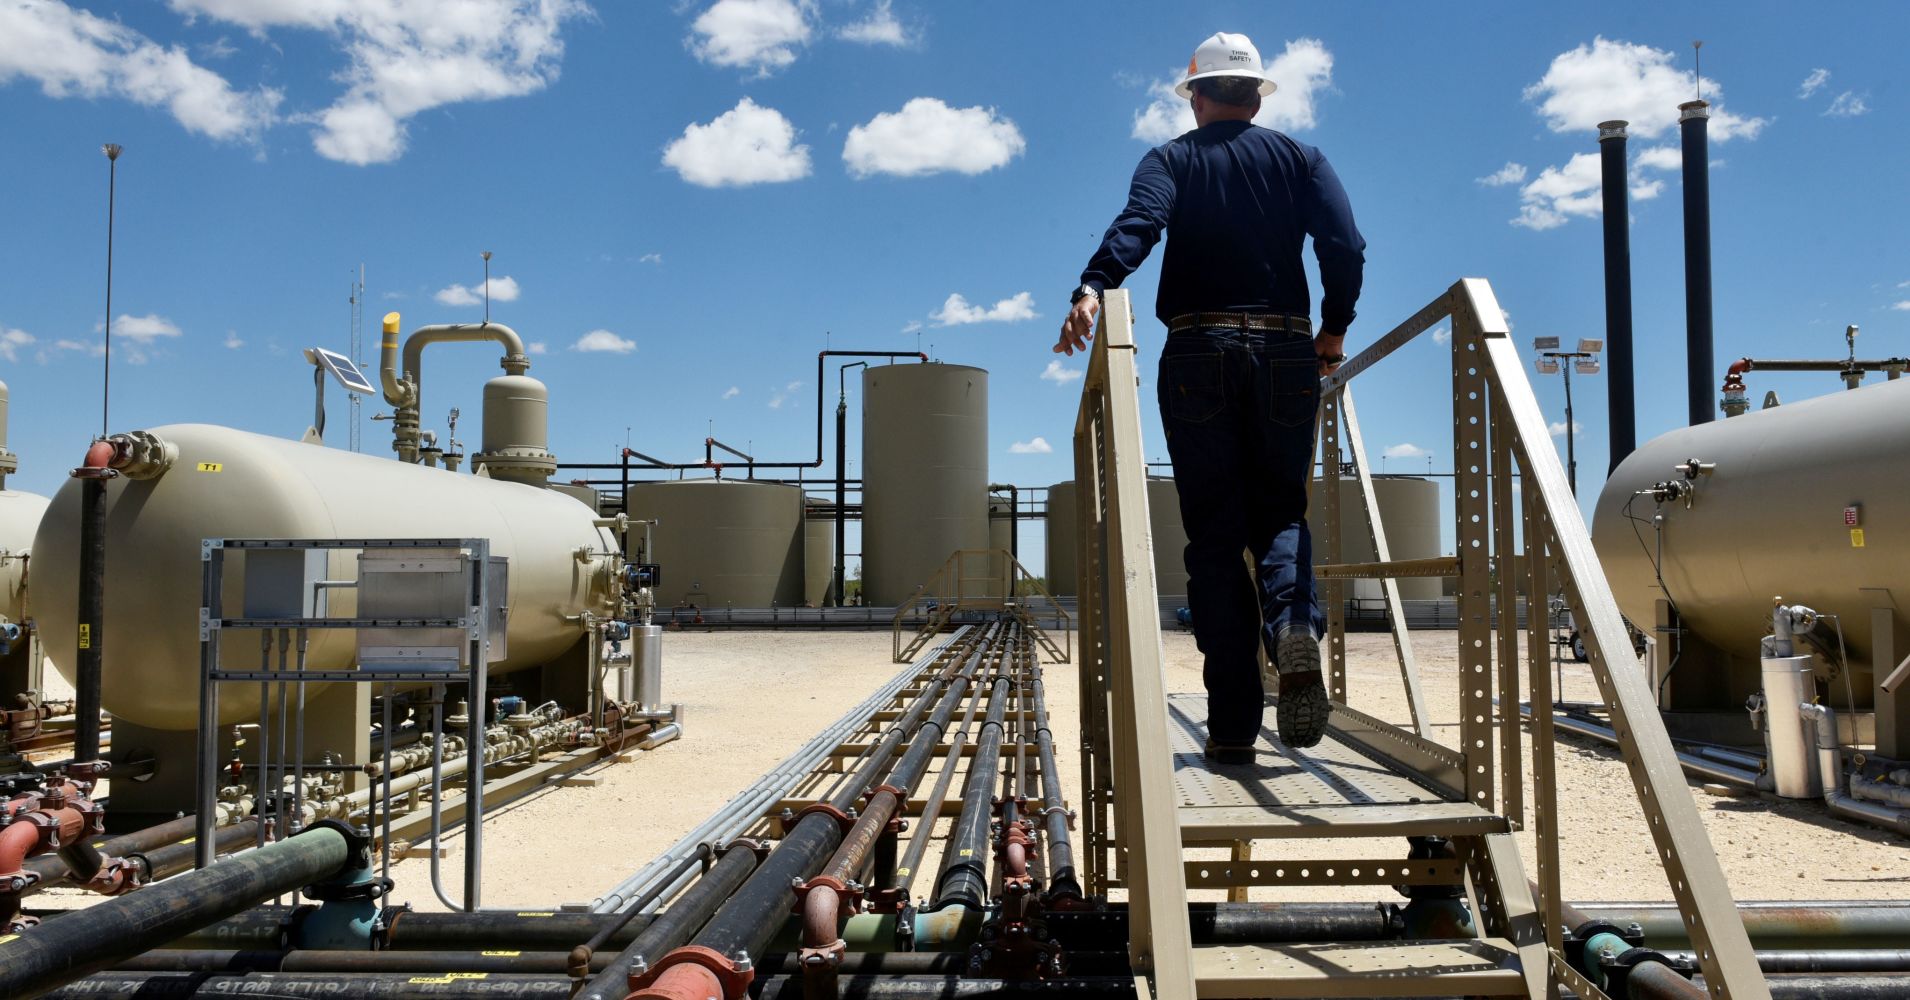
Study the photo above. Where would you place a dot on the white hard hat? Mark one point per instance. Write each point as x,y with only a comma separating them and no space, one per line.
1224,54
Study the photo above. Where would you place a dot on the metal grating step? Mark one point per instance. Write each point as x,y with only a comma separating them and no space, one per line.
1328,790
1483,967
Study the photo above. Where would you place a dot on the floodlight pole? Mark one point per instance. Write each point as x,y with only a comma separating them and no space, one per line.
1571,456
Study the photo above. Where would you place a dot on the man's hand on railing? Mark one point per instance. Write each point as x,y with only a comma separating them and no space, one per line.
1330,349
1078,328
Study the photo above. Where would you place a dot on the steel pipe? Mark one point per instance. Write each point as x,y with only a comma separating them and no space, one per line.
672,928
964,877
60,951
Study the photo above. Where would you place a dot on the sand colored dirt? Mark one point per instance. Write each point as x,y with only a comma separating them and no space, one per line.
751,698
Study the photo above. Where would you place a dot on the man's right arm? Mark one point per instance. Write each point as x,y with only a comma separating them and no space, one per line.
1125,246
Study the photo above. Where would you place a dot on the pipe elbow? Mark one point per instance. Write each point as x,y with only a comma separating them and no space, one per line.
395,389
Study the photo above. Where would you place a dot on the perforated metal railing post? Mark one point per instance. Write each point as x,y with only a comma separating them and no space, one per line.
1506,602
1335,595
1472,538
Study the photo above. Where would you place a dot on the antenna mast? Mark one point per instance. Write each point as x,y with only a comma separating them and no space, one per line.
357,347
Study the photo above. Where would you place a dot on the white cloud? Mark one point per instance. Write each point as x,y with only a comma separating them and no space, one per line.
603,342
1811,83
1511,173
1300,73
537,347
1848,104
748,144
650,258
404,59
503,289
929,137
1061,374
880,28
74,53
11,341
912,326
1903,306
1405,450
145,329
232,341
1637,83
780,396
1036,446
752,34
1575,189
732,392
956,311
1557,428
1442,336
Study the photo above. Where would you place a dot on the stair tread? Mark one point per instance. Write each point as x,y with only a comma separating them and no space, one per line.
1471,967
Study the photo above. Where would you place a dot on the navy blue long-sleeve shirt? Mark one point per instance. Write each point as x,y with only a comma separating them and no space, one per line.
1240,201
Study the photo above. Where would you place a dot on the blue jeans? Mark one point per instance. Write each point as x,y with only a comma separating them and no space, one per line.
1238,407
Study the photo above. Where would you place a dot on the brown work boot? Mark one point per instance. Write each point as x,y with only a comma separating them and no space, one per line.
1303,709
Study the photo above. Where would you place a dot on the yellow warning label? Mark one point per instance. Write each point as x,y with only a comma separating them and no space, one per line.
189,840
9,937
1856,541
966,851
501,954
467,975
420,980
86,636
211,467
537,914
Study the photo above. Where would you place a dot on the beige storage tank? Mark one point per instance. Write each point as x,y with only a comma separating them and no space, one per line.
1409,506
818,552
1409,509
724,542
924,473
225,483
1170,538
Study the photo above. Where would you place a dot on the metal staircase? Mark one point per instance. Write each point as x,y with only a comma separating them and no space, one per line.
979,582
1370,780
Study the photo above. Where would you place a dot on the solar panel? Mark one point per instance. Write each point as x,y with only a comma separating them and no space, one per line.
345,372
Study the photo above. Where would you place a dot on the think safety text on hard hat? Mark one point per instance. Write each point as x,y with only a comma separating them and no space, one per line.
1224,54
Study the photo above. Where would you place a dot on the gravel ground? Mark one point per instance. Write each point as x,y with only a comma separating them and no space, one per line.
751,698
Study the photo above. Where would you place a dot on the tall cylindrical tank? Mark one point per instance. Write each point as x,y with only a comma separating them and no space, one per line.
226,483
924,473
1170,538
724,542
1409,511
1772,517
818,554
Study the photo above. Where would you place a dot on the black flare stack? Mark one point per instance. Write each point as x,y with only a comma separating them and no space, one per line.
1692,119
1618,352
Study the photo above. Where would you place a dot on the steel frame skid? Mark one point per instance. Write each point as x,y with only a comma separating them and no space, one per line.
1141,750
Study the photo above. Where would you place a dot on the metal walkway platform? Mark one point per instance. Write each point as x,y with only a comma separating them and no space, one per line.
1330,790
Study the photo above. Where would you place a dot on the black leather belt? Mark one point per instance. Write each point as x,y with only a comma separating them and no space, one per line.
1298,325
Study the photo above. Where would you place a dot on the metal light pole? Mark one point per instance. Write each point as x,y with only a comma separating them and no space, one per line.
1552,361
111,150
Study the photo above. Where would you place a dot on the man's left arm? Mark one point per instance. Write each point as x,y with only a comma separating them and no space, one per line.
1341,251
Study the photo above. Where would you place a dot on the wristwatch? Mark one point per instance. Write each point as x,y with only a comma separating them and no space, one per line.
1083,292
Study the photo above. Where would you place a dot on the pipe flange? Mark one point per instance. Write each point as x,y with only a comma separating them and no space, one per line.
1617,969
377,887
732,976
1574,943
842,819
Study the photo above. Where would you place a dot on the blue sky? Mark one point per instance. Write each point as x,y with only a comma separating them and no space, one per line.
715,191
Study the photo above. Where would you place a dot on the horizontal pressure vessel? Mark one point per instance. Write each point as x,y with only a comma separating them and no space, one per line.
225,483
19,518
1809,501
